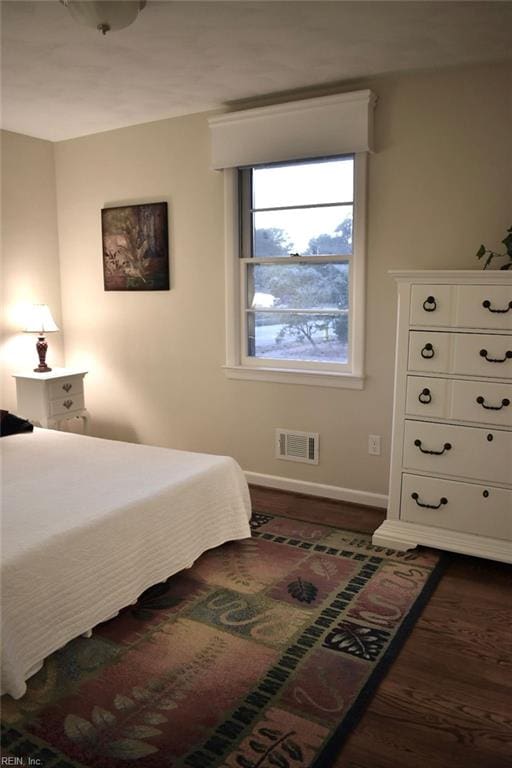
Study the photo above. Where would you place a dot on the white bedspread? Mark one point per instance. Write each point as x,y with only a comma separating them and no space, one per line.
89,524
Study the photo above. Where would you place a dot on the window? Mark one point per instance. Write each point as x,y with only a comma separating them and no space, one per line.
297,270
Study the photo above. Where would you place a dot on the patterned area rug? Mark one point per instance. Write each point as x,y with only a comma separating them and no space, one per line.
262,655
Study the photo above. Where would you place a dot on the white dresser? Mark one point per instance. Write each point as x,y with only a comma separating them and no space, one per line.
451,459
47,399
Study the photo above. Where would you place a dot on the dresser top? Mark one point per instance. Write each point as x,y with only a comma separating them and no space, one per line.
451,276
55,373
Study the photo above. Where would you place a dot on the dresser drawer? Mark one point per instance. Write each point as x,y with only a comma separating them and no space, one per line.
464,507
71,385
481,401
481,354
427,397
66,405
431,305
480,306
469,452
470,354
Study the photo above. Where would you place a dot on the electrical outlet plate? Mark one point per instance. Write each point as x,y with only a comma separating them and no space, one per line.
374,445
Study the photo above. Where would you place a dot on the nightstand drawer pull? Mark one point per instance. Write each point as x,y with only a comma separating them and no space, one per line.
446,447
442,501
504,404
428,351
487,305
424,396
67,404
484,353
429,305
67,387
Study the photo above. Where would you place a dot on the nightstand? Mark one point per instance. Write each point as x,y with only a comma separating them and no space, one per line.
47,399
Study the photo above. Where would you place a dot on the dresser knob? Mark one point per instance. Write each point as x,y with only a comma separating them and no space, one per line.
67,404
487,305
428,351
485,494
66,387
429,305
425,397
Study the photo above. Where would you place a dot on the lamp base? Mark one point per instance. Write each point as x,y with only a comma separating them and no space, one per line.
42,346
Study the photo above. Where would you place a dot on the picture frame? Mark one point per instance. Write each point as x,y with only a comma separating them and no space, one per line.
135,242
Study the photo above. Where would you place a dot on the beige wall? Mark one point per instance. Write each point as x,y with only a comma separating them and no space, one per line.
439,185
30,259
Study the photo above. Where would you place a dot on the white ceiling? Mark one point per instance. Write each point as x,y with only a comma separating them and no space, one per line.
61,80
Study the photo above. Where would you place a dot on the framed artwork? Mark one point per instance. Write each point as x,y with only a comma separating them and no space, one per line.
135,247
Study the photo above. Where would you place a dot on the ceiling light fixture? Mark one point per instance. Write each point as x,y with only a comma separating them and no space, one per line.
104,16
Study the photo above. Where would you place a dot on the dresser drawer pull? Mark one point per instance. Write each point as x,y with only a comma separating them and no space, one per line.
66,387
67,404
442,501
487,305
428,351
446,447
508,355
504,404
429,305
425,397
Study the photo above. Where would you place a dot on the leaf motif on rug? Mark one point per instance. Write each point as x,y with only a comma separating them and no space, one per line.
303,591
363,642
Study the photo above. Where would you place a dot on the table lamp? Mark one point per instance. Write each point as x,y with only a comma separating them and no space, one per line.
40,321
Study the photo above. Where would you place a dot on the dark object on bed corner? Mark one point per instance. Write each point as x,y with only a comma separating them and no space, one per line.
13,425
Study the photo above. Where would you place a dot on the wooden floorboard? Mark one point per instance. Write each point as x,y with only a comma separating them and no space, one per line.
446,701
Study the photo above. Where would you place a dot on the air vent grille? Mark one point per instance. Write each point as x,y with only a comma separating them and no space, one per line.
297,446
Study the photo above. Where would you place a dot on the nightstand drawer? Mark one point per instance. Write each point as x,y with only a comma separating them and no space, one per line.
66,405
470,452
71,385
465,507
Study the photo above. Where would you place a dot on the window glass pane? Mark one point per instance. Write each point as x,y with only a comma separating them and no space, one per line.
298,336
306,231
324,181
297,286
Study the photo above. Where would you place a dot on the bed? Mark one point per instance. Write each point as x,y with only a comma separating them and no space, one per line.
88,524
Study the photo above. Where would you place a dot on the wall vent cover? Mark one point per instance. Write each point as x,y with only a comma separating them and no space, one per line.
297,446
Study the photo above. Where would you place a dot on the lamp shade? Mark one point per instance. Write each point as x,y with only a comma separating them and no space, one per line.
40,320
104,15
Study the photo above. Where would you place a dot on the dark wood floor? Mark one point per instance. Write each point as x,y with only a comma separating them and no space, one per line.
446,701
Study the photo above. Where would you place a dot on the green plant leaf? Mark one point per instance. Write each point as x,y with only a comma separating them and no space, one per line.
507,266
507,242
123,702
80,730
480,252
130,749
102,717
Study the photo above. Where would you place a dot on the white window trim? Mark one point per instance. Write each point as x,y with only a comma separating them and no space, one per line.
235,367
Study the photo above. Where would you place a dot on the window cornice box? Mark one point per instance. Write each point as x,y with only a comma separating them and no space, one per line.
322,126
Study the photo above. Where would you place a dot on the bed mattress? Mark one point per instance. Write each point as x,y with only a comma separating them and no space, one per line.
88,524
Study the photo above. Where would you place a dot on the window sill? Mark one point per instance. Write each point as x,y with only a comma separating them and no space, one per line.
286,376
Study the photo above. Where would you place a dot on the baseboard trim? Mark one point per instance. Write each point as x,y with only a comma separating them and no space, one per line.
350,495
